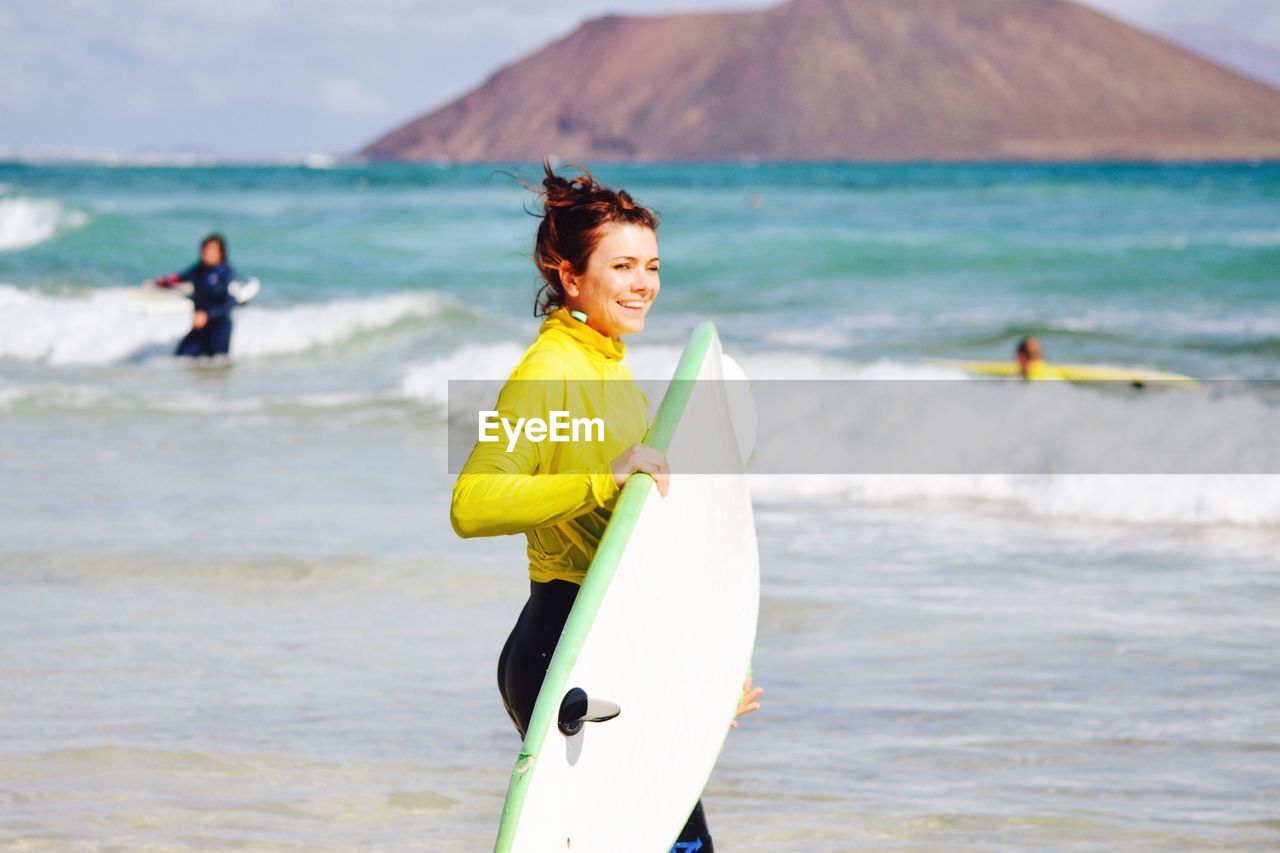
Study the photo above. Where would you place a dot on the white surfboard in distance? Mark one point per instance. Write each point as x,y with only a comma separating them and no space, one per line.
661,632
148,298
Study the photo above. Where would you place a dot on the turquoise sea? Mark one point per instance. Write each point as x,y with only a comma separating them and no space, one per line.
233,614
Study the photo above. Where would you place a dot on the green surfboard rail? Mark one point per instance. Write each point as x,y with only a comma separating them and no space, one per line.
600,574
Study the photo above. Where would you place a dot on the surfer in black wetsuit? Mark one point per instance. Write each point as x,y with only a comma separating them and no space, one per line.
211,297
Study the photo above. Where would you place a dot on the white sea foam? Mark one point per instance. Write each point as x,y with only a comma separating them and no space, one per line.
266,332
26,222
37,327
1166,457
1182,323
1119,499
659,363
73,396
12,395
429,382
58,395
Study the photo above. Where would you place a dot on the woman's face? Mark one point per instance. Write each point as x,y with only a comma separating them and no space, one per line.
211,253
619,283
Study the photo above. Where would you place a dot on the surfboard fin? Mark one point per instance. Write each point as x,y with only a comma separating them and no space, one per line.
577,708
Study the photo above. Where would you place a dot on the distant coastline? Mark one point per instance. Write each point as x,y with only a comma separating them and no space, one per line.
127,160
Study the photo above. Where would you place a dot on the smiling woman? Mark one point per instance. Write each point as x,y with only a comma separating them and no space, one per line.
597,253
596,250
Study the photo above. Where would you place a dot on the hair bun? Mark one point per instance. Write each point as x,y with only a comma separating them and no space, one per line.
558,191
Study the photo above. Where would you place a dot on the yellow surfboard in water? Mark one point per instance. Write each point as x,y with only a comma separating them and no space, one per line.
1136,376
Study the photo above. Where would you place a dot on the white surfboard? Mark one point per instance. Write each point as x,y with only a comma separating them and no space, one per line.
661,632
149,299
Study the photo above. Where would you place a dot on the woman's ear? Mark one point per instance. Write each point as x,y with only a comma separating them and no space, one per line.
568,280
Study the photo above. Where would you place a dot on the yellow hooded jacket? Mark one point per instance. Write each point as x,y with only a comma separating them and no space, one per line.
559,494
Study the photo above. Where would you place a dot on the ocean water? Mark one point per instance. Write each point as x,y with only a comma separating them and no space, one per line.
233,613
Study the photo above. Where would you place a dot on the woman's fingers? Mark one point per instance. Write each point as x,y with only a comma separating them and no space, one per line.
745,708
638,457
627,463
655,465
748,702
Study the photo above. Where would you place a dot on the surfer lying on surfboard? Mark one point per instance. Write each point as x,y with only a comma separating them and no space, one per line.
1029,363
597,253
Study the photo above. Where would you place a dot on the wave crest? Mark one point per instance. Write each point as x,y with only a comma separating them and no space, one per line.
26,222
1195,500
38,327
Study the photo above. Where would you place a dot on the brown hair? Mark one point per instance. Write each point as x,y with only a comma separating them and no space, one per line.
574,214
221,242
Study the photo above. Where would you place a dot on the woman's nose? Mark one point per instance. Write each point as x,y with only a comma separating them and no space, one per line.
645,282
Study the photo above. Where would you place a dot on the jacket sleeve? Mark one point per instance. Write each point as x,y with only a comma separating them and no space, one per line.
170,279
500,492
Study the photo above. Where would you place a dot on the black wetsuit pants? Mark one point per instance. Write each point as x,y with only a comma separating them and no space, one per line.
213,339
523,664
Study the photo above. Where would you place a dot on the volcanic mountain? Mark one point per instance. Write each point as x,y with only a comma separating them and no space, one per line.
855,80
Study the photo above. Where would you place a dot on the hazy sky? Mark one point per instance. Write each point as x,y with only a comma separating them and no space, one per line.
288,77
